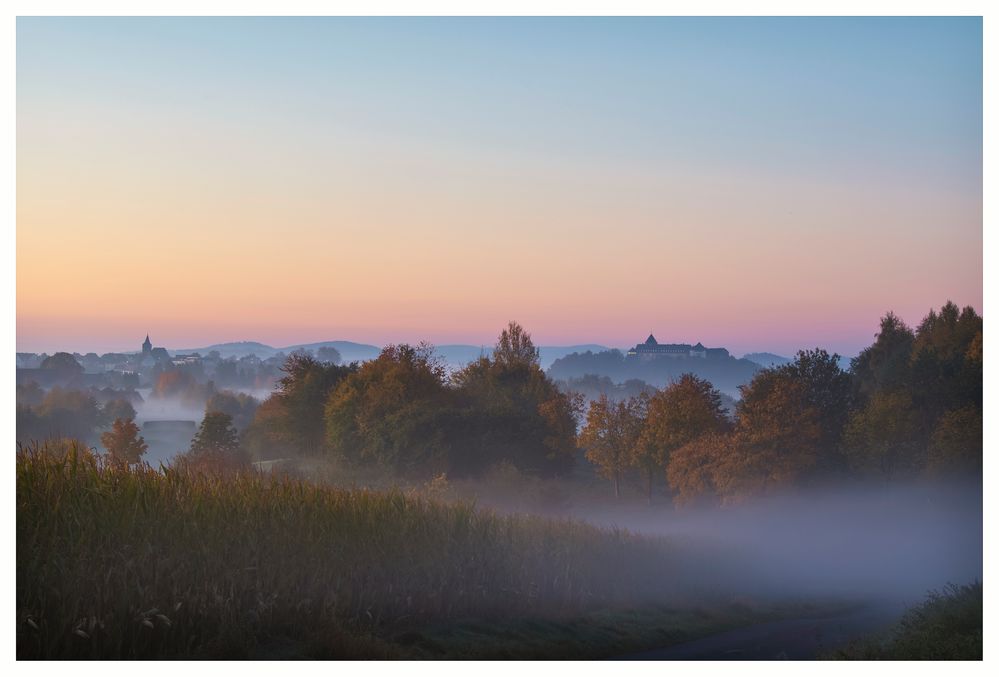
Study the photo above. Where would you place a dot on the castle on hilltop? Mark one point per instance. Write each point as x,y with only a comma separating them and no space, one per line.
652,349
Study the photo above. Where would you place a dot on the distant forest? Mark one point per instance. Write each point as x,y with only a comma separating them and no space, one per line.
725,373
909,406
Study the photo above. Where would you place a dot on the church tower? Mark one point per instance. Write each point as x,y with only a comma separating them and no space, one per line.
147,346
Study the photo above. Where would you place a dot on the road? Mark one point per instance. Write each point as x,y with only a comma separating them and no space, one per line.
793,639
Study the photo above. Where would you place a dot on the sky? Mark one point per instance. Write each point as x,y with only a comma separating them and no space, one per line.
761,184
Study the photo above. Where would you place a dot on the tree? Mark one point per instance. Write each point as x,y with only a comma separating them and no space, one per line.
956,444
392,412
62,362
239,406
118,408
29,394
678,414
884,438
328,354
216,444
777,436
885,364
303,392
523,418
515,347
69,413
695,472
183,385
123,441
610,435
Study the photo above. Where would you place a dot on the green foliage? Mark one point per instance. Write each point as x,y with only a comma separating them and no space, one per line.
946,627
240,407
393,411
956,444
884,366
922,398
884,438
516,413
402,411
216,444
301,397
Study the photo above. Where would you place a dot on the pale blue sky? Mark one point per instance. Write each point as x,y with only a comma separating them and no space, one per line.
826,135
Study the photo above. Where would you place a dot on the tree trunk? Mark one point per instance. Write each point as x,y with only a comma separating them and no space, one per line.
617,486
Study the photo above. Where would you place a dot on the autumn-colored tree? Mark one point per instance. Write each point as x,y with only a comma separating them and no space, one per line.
216,444
678,414
68,413
266,436
386,413
610,435
696,472
123,441
515,347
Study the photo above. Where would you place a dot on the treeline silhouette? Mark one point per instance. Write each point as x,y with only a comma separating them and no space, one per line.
406,413
726,373
910,405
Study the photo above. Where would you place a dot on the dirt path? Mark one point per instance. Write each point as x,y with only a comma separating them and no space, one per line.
796,639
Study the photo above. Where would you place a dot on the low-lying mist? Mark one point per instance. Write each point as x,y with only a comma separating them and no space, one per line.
885,543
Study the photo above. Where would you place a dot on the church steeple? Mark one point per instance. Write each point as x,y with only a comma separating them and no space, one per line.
147,346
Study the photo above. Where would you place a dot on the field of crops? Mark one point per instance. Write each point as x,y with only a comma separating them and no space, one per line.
116,562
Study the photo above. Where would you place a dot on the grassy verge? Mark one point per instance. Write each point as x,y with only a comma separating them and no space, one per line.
947,626
119,563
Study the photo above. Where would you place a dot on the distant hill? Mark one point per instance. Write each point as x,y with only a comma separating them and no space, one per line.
767,359
233,349
349,351
456,355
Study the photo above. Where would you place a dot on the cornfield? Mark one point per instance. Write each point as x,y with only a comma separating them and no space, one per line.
118,562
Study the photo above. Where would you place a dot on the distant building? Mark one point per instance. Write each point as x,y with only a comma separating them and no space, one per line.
652,349
152,355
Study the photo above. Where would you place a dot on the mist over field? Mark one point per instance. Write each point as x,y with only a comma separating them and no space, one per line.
889,544
463,338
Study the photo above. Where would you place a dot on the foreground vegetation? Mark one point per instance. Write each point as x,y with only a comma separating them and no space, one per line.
947,626
125,562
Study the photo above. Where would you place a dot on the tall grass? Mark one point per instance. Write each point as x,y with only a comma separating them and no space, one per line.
946,626
132,563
